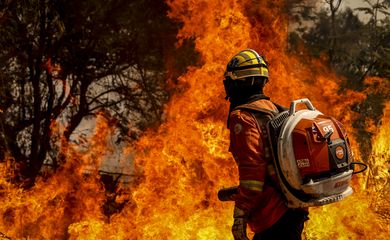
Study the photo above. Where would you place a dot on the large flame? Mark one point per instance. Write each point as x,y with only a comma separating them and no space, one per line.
185,161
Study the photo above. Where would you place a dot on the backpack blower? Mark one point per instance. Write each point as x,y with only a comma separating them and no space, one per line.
311,155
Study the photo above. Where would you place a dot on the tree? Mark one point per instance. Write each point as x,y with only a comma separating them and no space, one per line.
334,5
65,60
355,50
378,29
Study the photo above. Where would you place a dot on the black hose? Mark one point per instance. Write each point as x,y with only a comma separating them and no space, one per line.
358,163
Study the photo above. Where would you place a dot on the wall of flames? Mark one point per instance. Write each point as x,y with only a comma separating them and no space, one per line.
185,161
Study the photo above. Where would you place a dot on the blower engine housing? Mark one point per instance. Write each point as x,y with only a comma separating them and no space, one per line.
312,156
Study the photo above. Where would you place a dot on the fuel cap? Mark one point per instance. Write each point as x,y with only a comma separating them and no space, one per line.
340,152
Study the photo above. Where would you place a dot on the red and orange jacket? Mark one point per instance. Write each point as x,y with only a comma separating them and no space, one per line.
256,195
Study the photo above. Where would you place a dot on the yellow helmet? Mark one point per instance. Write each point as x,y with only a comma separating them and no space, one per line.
247,63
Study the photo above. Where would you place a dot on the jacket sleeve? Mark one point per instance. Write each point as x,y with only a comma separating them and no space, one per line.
247,149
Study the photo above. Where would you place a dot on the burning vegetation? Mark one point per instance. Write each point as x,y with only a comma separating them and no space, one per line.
181,164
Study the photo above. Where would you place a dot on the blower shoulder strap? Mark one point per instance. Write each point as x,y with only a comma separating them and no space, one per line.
280,107
263,116
251,108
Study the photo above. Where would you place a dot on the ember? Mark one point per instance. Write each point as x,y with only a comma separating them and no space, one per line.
185,161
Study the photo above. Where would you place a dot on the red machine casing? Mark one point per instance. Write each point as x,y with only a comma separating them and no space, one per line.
310,146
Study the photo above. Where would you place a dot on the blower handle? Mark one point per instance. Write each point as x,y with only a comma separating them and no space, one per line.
226,194
303,100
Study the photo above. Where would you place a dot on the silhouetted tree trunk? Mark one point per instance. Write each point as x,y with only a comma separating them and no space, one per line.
333,6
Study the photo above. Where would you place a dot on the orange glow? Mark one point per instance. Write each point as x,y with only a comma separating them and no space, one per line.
50,67
184,162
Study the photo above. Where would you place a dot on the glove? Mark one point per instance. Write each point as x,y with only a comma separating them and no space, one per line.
239,225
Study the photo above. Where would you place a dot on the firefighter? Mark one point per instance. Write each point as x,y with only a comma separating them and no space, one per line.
258,201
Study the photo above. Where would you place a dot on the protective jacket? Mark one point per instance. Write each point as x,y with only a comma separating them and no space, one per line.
257,193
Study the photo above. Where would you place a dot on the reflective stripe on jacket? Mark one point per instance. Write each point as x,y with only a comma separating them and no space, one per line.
256,196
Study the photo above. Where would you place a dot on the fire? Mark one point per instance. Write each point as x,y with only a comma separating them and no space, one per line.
364,215
69,196
185,161
379,184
